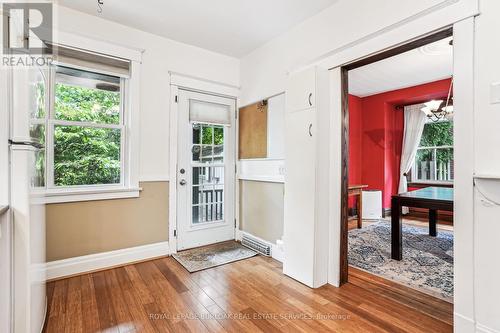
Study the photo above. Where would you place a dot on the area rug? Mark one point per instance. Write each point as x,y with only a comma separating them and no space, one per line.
213,255
427,263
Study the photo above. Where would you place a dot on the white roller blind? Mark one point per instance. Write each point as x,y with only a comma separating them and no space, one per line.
211,113
91,61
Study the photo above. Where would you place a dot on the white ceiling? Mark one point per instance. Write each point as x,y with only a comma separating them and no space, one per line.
231,27
429,63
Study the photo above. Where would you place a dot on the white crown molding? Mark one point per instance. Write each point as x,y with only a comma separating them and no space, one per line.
98,261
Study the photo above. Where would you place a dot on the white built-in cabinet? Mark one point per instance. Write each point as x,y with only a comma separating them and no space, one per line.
306,224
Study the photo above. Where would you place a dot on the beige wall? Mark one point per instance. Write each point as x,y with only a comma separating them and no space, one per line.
261,209
81,228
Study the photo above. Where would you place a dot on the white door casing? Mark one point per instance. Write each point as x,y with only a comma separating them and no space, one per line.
205,169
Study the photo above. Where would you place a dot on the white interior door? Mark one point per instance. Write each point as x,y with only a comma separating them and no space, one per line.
205,169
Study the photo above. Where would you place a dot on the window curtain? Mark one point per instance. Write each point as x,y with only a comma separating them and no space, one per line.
413,128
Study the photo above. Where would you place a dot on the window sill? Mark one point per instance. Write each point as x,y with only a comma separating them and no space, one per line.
430,183
79,195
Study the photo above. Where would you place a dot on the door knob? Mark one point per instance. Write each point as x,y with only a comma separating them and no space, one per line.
183,182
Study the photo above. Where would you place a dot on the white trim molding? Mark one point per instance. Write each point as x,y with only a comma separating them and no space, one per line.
100,46
98,261
262,170
204,85
51,197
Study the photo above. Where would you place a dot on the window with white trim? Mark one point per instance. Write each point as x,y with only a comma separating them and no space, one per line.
87,129
90,127
434,161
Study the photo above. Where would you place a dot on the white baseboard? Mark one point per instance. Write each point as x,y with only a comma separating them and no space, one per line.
484,329
92,262
463,324
276,251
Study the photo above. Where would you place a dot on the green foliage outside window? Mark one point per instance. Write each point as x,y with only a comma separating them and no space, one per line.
435,135
86,155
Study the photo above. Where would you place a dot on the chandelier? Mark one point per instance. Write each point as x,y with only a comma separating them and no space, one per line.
436,111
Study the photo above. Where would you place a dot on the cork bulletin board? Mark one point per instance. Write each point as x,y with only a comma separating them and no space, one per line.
253,131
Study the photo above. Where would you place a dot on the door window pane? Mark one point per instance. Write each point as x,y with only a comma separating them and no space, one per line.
206,154
196,150
196,133
218,154
218,135
207,135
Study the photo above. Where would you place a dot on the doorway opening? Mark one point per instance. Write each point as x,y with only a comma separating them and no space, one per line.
398,166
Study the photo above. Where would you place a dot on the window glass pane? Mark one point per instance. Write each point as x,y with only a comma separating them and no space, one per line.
218,135
86,96
37,133
206,154
219,193
38,178
208,175
86,155
434,164
196,133
196,150
197,217
207,135
38,99
437,134
218,154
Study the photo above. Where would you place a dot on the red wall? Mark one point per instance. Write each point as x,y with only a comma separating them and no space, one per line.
376,135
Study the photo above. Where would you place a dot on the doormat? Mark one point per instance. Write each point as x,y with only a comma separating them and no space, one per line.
209,256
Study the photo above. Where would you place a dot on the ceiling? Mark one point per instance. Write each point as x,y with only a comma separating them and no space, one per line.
231,27
428,63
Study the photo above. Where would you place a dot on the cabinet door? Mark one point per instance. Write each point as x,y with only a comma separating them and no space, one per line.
300,183
301,91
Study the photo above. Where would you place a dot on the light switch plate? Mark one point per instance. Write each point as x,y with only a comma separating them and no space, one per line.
495,93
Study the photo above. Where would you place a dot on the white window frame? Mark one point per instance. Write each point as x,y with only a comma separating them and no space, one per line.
429,181
129,187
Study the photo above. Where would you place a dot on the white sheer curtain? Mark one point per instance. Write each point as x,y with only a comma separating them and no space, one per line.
413,128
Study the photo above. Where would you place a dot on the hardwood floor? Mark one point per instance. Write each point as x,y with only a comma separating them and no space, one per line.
246,296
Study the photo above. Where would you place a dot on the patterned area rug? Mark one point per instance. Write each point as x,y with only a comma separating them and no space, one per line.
427,263
213,255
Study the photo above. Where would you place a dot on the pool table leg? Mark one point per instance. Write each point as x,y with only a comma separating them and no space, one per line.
396,230
432,222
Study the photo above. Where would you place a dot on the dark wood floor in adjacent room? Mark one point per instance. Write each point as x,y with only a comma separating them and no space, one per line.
247,296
